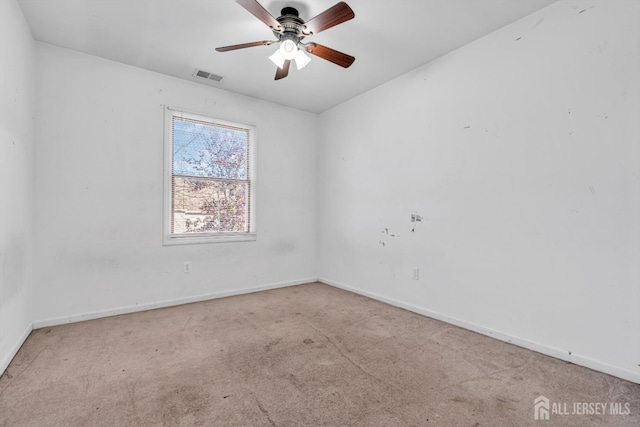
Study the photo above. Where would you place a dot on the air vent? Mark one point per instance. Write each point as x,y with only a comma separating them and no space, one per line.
207,75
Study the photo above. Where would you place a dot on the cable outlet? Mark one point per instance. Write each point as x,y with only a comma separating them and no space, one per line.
416,274
187,267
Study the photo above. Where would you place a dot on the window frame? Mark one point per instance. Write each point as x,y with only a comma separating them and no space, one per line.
209,237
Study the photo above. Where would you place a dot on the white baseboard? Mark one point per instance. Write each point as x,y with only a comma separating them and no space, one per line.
4,363
169,303
585,361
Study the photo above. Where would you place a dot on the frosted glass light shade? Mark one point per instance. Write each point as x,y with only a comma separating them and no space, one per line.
288,49
301,60
277,58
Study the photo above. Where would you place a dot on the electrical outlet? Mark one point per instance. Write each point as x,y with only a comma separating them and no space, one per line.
187,267
416,273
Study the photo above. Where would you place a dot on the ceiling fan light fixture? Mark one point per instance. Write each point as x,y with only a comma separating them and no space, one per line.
288,49
301,60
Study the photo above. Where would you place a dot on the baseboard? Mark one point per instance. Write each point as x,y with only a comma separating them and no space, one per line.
4,363
585,361
161,304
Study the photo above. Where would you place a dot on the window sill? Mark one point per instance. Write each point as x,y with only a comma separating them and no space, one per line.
209,238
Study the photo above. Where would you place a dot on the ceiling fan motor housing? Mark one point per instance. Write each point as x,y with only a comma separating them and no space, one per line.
291,25
289,11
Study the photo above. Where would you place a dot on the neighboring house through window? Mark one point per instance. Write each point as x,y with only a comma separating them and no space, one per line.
209,174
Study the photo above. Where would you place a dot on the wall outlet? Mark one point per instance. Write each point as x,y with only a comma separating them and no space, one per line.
416,274
187,267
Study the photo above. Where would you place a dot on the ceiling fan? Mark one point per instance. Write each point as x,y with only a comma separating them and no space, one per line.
290,29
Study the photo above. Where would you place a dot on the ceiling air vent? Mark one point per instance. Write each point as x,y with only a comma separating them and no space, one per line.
207,75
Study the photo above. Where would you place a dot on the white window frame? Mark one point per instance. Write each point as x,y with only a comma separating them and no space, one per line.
211,237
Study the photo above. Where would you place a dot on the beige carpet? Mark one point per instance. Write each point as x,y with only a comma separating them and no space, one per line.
308,355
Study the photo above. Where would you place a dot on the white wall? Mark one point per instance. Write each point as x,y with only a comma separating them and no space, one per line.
17,104
99,192
521,152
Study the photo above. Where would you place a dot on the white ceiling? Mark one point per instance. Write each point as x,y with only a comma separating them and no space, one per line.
174,37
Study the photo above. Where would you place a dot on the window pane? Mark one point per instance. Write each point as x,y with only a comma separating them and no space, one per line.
209,192
206,206
206,150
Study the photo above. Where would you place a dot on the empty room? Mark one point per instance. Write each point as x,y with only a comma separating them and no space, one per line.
301,213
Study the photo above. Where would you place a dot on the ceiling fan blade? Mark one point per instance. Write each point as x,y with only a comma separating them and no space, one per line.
331,17
260,12
243,45
339,58
284,71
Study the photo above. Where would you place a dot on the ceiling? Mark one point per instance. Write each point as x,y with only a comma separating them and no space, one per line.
175,37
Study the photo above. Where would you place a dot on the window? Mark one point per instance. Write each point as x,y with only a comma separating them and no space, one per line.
209,177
